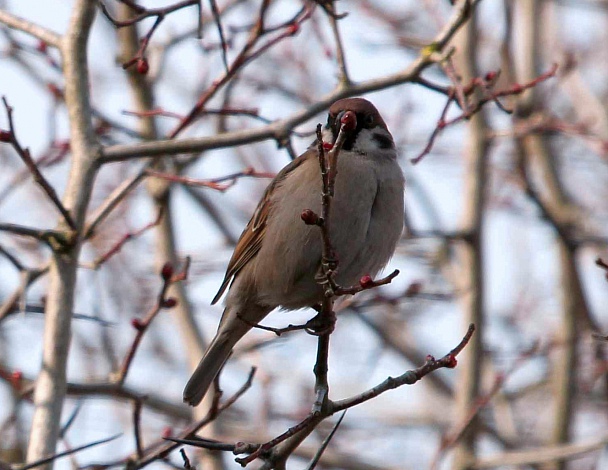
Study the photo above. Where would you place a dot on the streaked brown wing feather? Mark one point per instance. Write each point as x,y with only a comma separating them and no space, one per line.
250,240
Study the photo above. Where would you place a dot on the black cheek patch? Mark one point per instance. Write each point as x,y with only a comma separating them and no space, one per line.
384,142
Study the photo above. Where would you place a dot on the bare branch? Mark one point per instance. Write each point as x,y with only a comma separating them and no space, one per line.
54,457
24,153
282,128
39,32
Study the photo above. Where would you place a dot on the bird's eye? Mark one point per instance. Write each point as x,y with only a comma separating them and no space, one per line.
369,120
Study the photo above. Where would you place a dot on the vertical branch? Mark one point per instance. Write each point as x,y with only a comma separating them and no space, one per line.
476,155
51,384
343,76
142,93
537,153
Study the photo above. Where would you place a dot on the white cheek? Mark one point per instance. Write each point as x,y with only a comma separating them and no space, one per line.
366,143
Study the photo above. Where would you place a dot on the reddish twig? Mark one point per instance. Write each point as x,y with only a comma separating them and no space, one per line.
125,238
483,83
11,138
245,56
142,13
408,378
220,31
481,402
139,57
215,183
267,446
188,434
365,283
141,325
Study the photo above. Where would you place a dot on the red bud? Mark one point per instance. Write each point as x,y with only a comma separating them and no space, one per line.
327,146
430,358
62,145
490,76
142,66
6,136
16,378
452,362
170,302
137,324
366,282
55,91
167,432
309,217
349,121
293,28
167,271
41,46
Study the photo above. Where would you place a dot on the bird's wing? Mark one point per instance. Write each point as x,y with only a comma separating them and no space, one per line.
251,239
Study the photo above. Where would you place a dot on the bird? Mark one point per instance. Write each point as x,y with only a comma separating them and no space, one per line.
277,256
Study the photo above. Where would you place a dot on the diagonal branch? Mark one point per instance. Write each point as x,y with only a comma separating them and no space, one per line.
11,137
280,129
39,32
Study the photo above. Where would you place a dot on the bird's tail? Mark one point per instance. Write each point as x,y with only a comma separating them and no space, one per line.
231,330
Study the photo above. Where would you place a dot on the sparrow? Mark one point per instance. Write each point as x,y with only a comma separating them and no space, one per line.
278,256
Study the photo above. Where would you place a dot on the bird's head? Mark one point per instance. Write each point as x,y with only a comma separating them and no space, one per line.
370,133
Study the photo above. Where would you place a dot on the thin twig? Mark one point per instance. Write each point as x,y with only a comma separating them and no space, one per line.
141,325
53,238
220,31
112,202
315,460
214,183
31,165
101,259
137,404
514,90
59,455
278,130
46,35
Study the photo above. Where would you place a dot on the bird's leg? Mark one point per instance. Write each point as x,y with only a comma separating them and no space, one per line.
321,323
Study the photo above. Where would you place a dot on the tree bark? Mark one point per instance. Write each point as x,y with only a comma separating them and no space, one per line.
51,383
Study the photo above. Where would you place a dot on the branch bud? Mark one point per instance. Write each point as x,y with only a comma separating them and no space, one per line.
137,324
170,302
16,379
453,362
366,282
293,28
56,91
6,136
41,46
167,271
309,217
142,66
